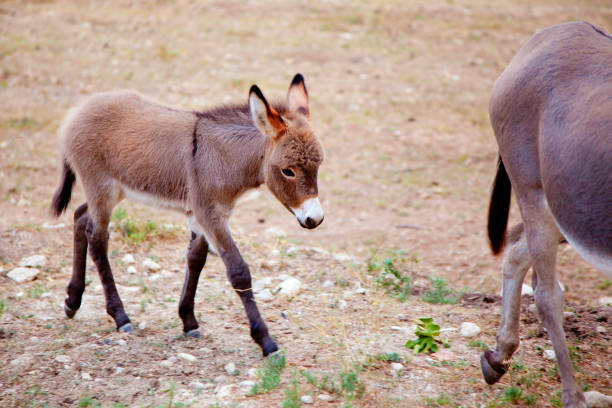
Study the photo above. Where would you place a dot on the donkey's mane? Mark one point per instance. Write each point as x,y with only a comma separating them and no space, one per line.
235,114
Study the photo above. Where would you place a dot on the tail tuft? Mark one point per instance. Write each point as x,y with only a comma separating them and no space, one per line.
499,208
62,195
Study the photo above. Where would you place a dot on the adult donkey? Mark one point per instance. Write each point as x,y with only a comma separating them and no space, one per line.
121,144
551,110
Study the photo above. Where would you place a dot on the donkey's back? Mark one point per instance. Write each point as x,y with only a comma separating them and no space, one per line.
551,110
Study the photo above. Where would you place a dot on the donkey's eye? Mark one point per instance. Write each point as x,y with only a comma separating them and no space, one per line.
288,173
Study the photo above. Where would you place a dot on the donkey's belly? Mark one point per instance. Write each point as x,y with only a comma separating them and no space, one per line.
154,200
601,260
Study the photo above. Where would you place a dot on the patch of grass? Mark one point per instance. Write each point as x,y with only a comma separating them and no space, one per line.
605,284
131,230
388,357
36,291
478,344
87,401
442,400
427,333
440,293
513,394
392,281
345,384
555,399
269,374
3,306
292,394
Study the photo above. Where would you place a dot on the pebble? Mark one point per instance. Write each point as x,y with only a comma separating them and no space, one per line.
166,363
274,232
62,358
397,366
188,357
252,373
142,325
128,259
20,274
122,342
324,397
131,269
549,355
260,284
196,386
150,265
230,368
118,370
86,376
289,287
469,329
605,301
225,390
306,399
327,284
246,384
600,329
34,261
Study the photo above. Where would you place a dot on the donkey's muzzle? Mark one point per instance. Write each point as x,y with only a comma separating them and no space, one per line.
309,214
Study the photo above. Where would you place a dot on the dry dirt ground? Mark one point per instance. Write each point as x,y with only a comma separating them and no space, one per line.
399,94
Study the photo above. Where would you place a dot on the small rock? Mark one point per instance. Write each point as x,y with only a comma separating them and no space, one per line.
324,397
225,390
142,325
230,368
128,259
605,301
274,232
260,284
86,376
600,329
62,358
397,366
196,386
306,399
166,363
246,384
20,275
34,261
289,287
150,265
119,370
327,284
549,355
131,269
469,329
252,373
122,342
342,304
359,289
188,357
596,399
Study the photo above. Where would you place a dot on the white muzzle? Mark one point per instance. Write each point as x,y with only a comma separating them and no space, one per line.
310,213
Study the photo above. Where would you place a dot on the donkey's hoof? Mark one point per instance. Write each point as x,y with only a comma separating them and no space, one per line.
269,347
491,372
69,312
195,333
126,328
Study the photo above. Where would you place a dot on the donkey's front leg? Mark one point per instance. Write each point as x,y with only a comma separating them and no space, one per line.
98,246
196,258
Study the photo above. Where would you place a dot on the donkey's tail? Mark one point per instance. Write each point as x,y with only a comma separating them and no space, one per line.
61,198
499,208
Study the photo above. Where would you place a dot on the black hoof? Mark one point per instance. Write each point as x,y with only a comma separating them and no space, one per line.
126,328
195,333
269,347
69,312
491,371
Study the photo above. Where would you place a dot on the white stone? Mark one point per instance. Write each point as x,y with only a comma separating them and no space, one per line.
246,384
342,257
128,259
264,295
196,386
188,357
225,390
397,366
34,261
252,373
166,363
260,284
150,265
469,329
118,370
62,358
342,304
131,269
142,325
549,355
289,287
20,275
122,342
605,301
306,399
86,376
324,397
595,399
327,284
274,232
230,368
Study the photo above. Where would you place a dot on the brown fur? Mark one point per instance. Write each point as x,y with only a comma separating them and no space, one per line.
198,163
551,111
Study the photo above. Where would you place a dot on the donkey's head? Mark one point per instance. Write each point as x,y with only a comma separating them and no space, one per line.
295,153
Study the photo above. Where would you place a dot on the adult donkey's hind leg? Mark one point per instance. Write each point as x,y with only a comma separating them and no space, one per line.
77,282
196,258
543,238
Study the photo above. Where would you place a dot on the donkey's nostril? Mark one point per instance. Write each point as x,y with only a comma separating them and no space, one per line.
310,223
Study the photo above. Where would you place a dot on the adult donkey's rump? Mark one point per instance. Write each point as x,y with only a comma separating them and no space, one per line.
551,111
121,144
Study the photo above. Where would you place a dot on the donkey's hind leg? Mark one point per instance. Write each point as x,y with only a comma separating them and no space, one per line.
196,258
77,282
516,263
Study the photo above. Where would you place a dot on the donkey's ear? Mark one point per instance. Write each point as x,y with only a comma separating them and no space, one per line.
265,118
297,96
